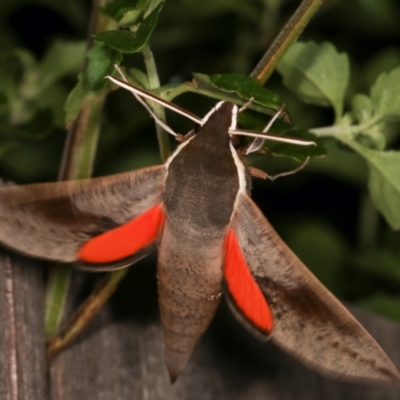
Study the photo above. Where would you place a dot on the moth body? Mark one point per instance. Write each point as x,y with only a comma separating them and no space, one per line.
199,197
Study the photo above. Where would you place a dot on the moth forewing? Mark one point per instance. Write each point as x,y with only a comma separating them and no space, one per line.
52,221
309,322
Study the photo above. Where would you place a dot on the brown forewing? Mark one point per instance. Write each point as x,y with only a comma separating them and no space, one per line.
309,322
52,220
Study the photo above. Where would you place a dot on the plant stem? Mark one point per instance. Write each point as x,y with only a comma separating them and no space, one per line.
284,40
110,282
57,286
85,313
77,163
154,83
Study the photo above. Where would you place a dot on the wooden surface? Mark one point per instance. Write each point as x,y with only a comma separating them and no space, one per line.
120,356
23,373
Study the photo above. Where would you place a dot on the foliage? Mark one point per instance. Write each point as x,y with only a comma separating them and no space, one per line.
346,96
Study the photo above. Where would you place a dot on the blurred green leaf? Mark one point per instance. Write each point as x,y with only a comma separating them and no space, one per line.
31,86
127,41
384,185
39,126
384,181
25,57
61,59
381,263
6,147
362,107
317,74
117,8
385,95
101,61
384,61
3,99
383,304
341,164
144,7
322,248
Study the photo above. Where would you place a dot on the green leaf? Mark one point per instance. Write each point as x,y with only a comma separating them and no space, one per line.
384,180
317,74
385,95
126,41
380,263
243,86
101,61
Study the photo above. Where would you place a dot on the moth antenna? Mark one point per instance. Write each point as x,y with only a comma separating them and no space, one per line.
247,105
158,120
291,172
275,138
259,142
156,99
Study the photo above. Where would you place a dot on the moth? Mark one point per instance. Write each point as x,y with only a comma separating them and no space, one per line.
211,239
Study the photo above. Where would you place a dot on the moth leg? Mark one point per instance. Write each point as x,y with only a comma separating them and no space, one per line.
258,173
259,142
247,105
291,172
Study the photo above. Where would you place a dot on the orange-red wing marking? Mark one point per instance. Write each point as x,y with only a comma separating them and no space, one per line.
243,288
124,241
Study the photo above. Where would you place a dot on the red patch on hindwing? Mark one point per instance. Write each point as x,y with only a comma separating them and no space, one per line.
243,288
124,241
